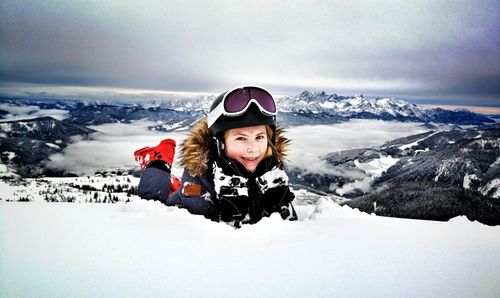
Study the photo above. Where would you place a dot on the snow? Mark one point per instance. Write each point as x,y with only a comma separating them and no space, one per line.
362,184
493,184
373,169
422,150
145,249
5,189
487,143
76,189
53,145
5,170
407,146
443,167
6,127
376,167
468,179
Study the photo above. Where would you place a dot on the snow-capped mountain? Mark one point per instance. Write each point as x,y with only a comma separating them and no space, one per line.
320,103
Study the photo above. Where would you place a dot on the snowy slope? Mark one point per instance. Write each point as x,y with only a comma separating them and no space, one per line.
144,249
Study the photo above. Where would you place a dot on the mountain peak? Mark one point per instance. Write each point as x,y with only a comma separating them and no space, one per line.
305,93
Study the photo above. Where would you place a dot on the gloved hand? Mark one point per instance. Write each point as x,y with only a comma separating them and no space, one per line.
287,212
165,151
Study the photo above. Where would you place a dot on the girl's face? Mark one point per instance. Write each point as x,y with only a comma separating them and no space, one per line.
247,145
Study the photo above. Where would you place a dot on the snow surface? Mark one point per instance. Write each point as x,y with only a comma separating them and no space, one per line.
66,188
145,249
468,179
406,146
493,184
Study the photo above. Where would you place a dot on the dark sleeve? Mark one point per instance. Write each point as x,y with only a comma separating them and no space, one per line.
194,194
155,185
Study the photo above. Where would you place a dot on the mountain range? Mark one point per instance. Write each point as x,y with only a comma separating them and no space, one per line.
439,173
359,107
303,109
467,158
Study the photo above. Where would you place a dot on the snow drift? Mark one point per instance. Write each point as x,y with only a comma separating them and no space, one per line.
144,249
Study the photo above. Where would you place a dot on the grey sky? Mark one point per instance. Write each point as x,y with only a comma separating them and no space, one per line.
447,50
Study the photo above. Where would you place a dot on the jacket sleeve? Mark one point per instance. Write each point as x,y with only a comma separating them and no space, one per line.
194,194
155,185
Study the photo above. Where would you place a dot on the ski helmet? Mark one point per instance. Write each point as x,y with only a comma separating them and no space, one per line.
242,107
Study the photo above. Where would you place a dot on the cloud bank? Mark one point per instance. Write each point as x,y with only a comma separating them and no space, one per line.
113,146
425,49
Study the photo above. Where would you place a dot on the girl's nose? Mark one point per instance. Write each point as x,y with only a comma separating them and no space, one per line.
252,148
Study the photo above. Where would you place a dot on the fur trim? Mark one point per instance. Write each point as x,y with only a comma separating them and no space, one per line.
197,148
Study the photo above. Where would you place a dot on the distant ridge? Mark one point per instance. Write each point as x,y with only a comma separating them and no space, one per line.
306,108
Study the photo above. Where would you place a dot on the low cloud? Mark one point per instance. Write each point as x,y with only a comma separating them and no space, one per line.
311,143
111,148
113,145
16,112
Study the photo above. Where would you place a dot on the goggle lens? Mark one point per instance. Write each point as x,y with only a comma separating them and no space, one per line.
237,100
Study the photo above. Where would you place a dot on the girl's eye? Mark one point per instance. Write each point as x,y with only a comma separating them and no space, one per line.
240,139
260,137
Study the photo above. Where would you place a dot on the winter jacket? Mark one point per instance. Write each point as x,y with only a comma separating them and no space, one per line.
220,188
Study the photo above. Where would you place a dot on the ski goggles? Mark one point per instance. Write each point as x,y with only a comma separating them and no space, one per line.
236,102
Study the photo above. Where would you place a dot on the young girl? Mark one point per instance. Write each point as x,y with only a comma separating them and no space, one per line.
233,162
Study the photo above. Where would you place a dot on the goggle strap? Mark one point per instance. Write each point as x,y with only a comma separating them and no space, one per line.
220,110
215,114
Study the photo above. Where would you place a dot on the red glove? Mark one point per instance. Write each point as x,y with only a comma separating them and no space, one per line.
164,151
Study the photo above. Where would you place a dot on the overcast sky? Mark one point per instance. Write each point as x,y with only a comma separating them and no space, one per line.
448,51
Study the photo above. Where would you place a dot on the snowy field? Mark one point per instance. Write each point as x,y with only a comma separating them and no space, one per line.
144,249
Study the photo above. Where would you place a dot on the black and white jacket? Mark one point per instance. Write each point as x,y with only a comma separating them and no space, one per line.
220,188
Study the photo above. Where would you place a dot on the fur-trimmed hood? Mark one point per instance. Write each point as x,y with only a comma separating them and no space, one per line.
198,146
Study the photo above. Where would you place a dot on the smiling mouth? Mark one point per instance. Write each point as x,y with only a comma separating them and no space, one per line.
250,158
